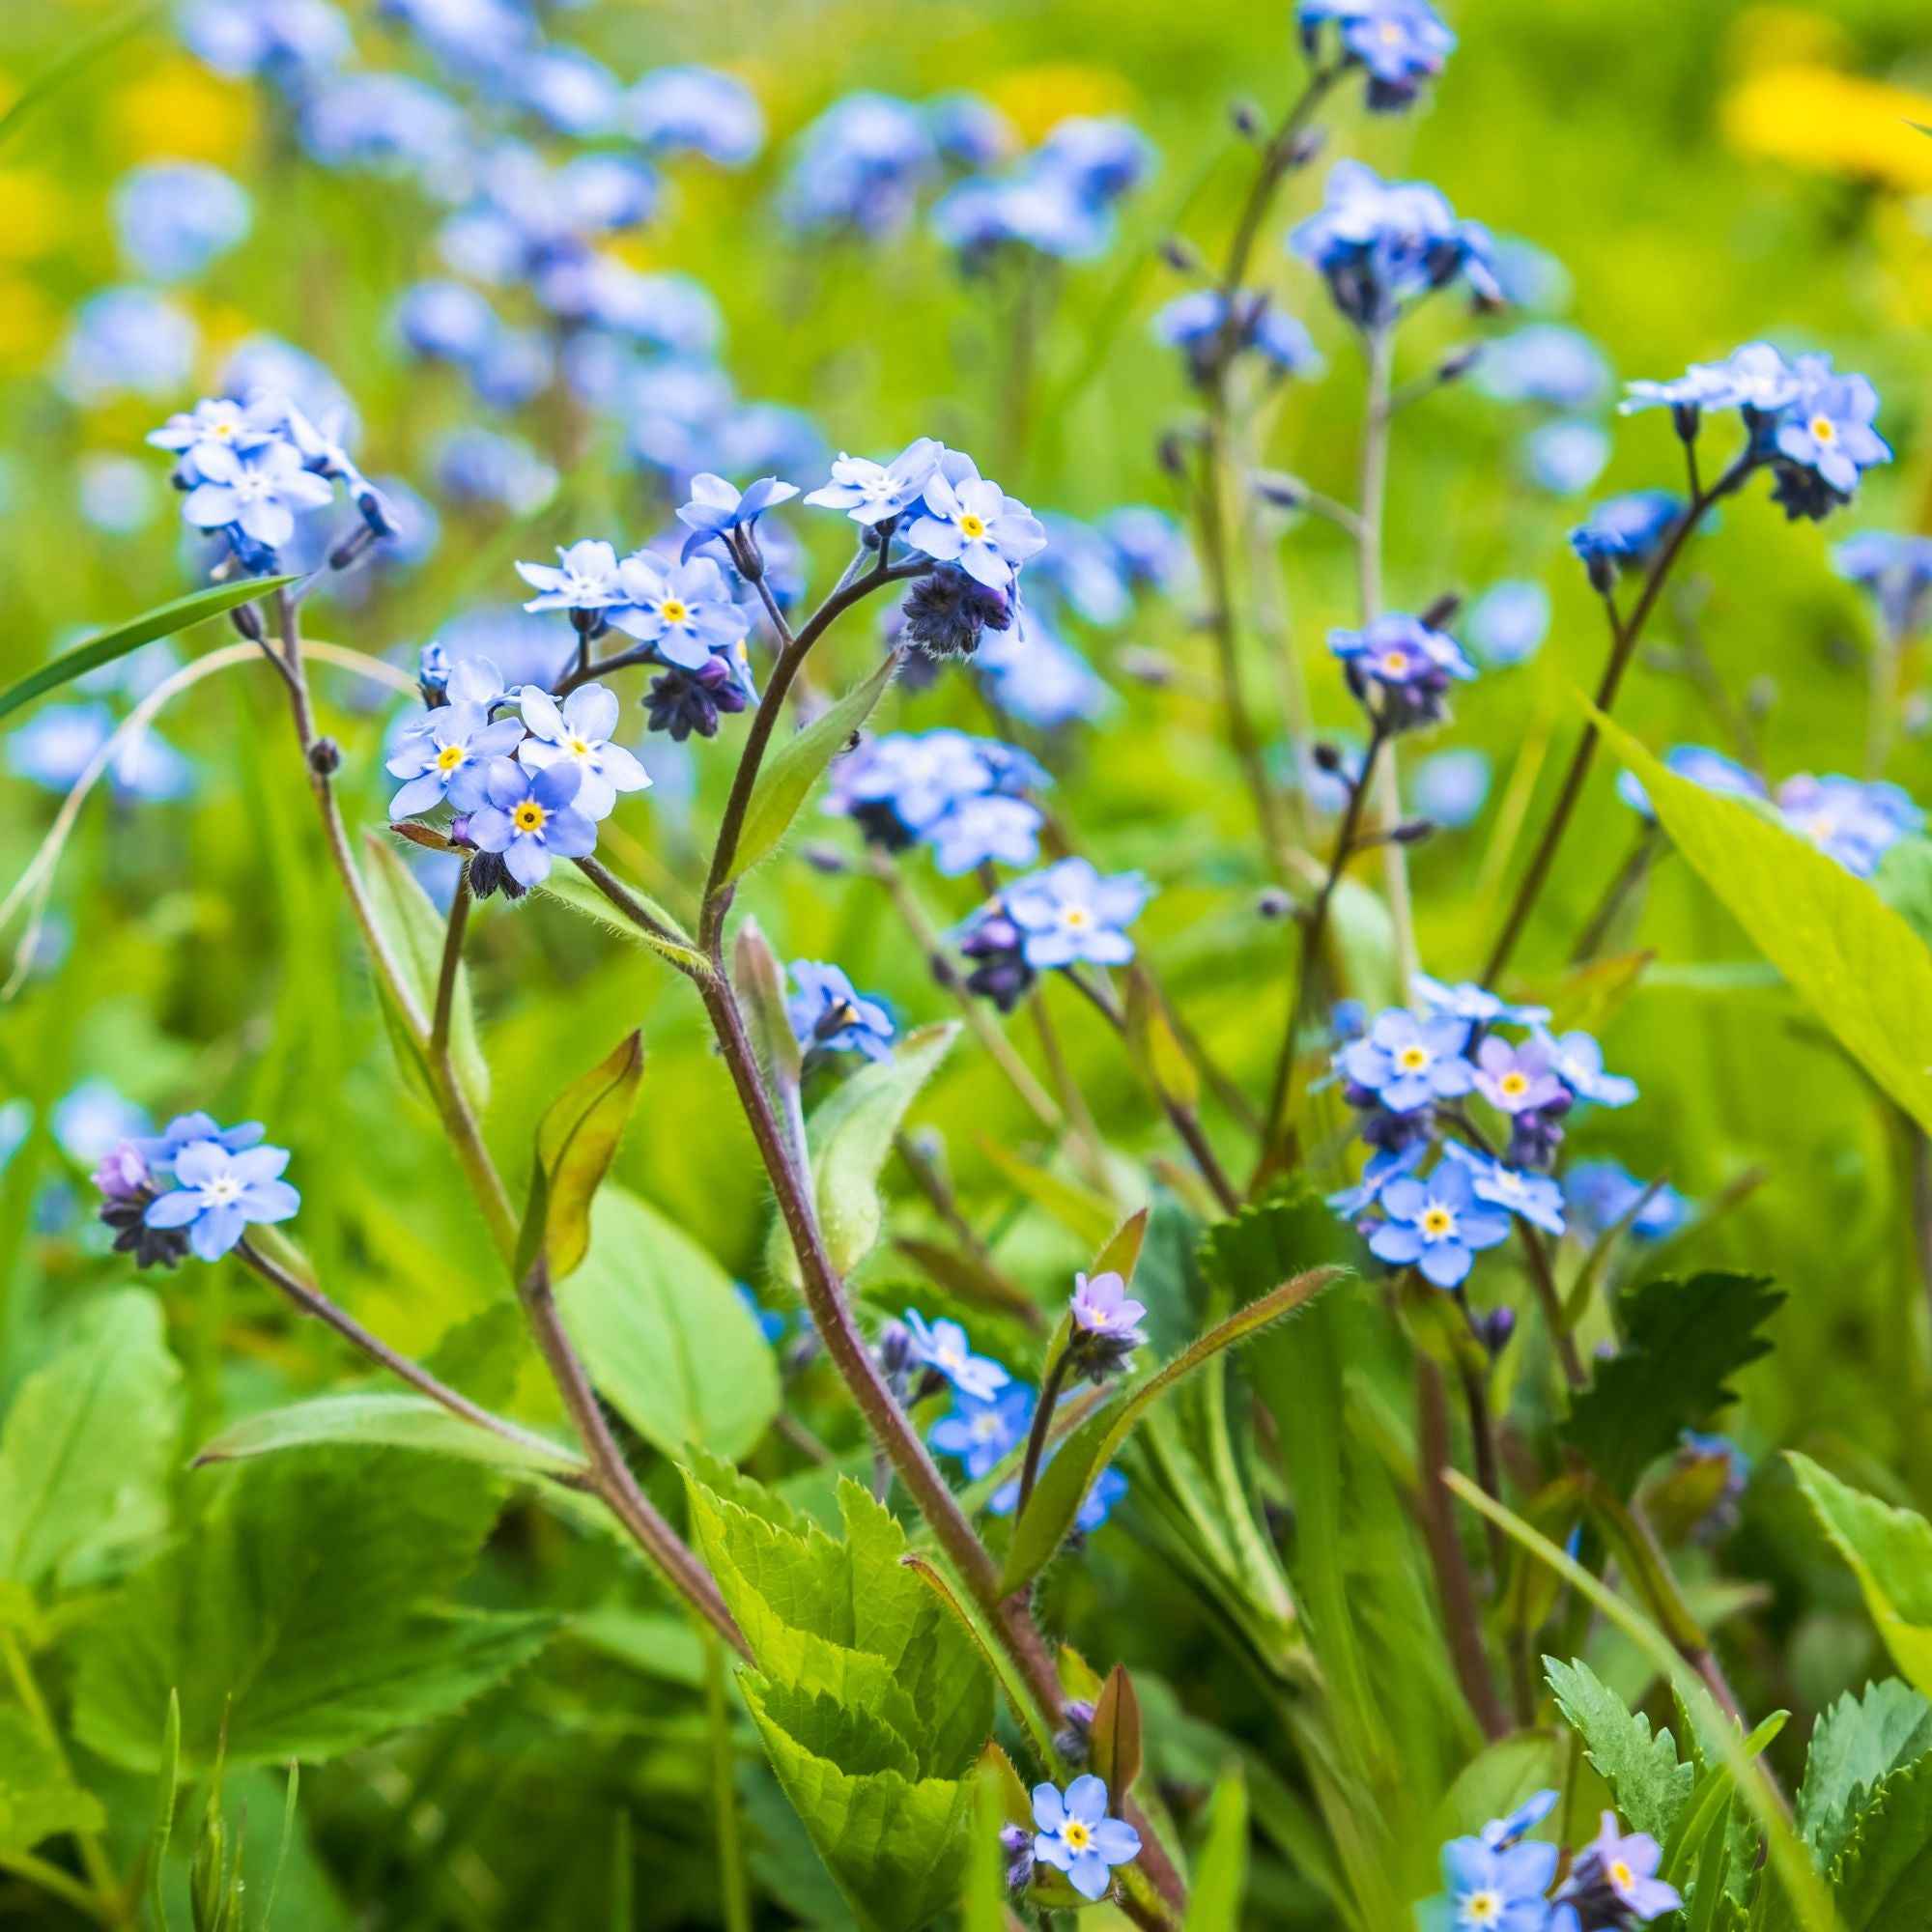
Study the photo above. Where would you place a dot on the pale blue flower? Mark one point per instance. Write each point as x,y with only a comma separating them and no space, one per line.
577,732
218,1194
1077,1836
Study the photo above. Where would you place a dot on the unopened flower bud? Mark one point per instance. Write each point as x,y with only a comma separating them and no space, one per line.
1284,492
1443,612
1181,255
1307,145
1016,1841
247,620
325,756
1246,118
1273,903
1413,831
895,1348
1328,758
1497,1328
1455,366
1172,453
825,859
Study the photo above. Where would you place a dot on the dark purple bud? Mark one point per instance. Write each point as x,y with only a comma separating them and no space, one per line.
1497,1328
1307,145
1443,612
1272,903
1285,492
1413,831
248,621
1329,758
824,859
1152,669
1246,118
1172,453
1686,419
945,612
1454,367
488,876
325,756
1181,255
895,1348
1016,1841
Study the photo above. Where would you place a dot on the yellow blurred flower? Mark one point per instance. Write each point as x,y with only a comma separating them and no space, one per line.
1835,123
37,212
1775,36
1035,99
182,111
1902,232
28,325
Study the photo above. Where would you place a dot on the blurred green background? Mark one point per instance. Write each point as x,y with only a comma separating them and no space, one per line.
1707,174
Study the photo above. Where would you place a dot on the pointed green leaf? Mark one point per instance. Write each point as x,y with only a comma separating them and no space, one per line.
380,1420
577,1141
1088,1216
760,981
1883,1880
1651,1786
788,775
38,1798
1848,954
1063,1484
87,1450
1891,1553
163,621
1116,1733
1683,1342
665,1336
569,887
1856,1745
1221,1877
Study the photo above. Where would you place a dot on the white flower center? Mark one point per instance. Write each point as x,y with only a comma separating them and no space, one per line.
1483,1908
220,1191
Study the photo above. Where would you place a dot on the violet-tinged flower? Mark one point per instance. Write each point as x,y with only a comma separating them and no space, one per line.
716,507
159,1151
1702,766
1856,823
973,523
1500,1834
1600,1193
1105,1325
1827,429
1438,1225
583,580
529,818
828,1017
1897,573
942,1348
1406,661
122,1175
683,701
1408,1063
444,755
1401,43
983,1432
578,732
945,613
1577,1061
1534,1196
268,487
695,110
996,946
1493,1889
1470,1002
217,1194
869,492
986,830
1515,1079
1614,1879
1076,1835
1069,914
685,611
1389,1164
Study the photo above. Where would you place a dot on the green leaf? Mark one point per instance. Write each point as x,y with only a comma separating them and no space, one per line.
380,1420
1116,1733
760,981
788,775
1651,1786
1856,1745
577,1141
1891,1553
38,1798
407,919
304,1611
1683,1340
1848,954
1221,1877
1063,1483
87,1448
569,887
897,1846
1088,1216
1883,1880
163,621
665,1336
850,1133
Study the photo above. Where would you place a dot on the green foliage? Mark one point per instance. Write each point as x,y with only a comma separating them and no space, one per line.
663,1334
786,780
1651,1785
1683,1341
873,1702
38,1798
577,1141
1883,1879
1856,1745
88,1444
307,1613
1221,1877
1891,1553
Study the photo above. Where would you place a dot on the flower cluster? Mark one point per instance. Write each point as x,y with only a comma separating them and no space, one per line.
1067,915
963,797
1400,668
1210,329
1500,1880
1057,201
1398,44
194,1188
1897,573
1411,1075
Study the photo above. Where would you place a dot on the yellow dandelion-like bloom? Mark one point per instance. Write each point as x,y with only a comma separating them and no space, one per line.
29,323
180,111
1035,99
1813,117
37,214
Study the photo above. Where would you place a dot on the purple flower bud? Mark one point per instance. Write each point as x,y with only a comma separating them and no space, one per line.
122,1175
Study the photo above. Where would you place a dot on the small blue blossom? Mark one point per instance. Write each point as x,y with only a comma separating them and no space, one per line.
1037,677
1098,1504
770,1321
1076,1835
1450,788
444,755
1614,1879
1500,1834
1827,431
1577,1061
942,1348
968,131
870,492
482,465
695,110
267,489
93,1118
1101,157
716,507
1470,1002
1438,1225
1069,915
969,521
684,610
1385,1165
829,1017
1401,43
1507,624
982,1432
174,218
956,794
389,123
1150,547
859,166
1199,325
1702,766
1856,823
1565,458
286,40
577,732
1493,1889
57,745
1543,362
1897,573
1534,1196
583,581
218,1193
1600,1193
447,321
529,818
159,1151
1408,665
1408,1063
126,342
1624,534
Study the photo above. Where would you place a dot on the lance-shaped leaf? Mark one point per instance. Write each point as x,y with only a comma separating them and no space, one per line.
759,978
1076,1467
786,779
577,1141
1116,1733
1221,1879
163,621
1156,1046
664,936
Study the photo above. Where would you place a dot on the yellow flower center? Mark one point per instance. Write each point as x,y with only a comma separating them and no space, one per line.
1394,664
1823,429
224,430
1483,1908
578,748
1412,1059
528,816
972,527
1076,916
1437,1221
1390,33
1621,1875
449,757
1514,1085
672,611
1078,1837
